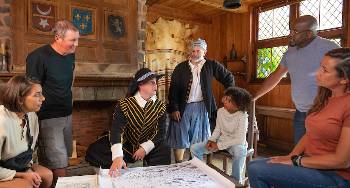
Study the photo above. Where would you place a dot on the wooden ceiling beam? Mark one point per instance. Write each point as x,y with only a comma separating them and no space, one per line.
219,5
168,12
153,2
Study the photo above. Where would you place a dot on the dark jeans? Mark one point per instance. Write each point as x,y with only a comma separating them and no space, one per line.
265,175
299,125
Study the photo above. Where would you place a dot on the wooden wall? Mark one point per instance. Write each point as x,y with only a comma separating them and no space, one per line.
99,53
235,28
220,32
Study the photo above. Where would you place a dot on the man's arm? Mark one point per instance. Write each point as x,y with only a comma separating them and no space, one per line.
223,75
271,81
118,125
72,87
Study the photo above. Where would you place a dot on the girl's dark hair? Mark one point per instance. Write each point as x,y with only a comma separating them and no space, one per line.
343,71
14,91
241,97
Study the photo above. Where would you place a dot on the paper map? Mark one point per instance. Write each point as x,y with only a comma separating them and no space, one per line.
189,174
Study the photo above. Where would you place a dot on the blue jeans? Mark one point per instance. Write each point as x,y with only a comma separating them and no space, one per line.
238,153
299,125
264,175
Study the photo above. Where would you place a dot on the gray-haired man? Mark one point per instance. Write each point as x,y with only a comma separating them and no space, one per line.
191,100
53,65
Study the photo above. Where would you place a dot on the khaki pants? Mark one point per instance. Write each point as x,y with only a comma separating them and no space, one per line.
55,142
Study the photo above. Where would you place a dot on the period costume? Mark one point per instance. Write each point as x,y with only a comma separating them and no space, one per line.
140,123
190,93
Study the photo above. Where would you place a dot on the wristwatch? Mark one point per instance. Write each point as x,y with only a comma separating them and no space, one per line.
296,160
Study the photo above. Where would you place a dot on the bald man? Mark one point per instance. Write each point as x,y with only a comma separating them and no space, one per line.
301,60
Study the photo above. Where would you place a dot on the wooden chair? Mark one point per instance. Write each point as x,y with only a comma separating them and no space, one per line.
252,139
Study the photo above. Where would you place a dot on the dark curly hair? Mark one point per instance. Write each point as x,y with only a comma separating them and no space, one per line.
241,97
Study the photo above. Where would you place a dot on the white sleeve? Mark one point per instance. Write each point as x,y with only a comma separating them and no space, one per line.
117,150
217,131
147,146
5,174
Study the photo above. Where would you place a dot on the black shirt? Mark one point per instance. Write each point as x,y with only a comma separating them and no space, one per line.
55,71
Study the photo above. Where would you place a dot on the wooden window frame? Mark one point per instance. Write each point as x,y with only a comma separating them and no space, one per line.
342,32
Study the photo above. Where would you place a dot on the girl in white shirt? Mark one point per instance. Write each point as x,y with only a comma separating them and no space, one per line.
20,98
230,131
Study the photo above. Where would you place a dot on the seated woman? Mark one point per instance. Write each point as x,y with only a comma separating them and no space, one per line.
322,156
20,98
138,127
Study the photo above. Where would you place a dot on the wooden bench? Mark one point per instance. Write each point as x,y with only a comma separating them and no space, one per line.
266,114
285,113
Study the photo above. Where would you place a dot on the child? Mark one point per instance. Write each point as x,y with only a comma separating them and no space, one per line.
230,131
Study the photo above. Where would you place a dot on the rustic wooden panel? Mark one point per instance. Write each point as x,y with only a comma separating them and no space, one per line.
105,70
279,129
119,3
116,56
86,54
204,7
93,50
155,11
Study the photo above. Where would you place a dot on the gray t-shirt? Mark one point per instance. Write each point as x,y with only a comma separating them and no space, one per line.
302,65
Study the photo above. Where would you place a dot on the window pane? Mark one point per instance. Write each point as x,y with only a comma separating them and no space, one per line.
269,59
328,13
274,23
336,40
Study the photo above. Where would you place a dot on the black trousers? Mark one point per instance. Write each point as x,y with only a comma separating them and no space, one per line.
159,155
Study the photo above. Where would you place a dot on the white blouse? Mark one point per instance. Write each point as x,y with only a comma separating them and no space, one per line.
11,141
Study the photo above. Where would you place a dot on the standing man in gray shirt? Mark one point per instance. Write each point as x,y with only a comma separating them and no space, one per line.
53,64
301,60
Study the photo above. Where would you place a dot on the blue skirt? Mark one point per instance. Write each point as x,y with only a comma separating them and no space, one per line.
193,127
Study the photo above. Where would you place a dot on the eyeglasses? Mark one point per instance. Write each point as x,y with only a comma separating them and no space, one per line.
151,82
294,32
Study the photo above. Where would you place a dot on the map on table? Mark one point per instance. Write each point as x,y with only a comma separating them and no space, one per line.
189,174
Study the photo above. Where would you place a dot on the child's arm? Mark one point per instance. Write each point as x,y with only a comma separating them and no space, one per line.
216,134
239,135
217,131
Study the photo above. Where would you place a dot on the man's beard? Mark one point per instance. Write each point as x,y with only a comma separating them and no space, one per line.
197,59
292,43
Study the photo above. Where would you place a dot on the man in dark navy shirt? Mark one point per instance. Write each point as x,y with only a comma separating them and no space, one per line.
53,64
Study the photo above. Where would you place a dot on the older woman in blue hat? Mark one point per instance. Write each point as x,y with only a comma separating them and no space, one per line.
191,100
138,125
